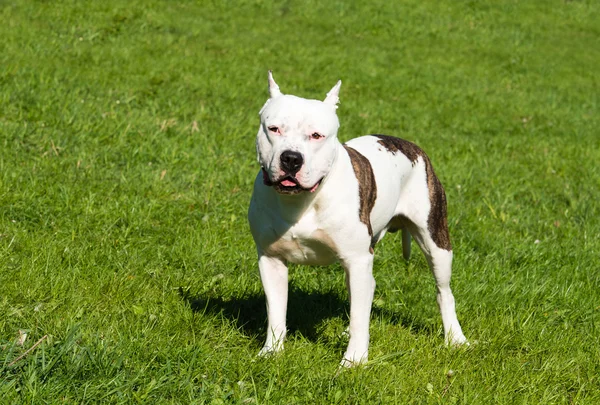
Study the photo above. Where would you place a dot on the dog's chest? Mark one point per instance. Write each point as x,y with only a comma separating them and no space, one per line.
303,242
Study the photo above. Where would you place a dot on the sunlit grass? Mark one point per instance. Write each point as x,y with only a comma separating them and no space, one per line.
126,165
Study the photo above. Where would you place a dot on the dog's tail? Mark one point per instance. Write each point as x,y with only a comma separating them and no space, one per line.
405,244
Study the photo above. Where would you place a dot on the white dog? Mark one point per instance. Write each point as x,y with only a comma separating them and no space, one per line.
317,201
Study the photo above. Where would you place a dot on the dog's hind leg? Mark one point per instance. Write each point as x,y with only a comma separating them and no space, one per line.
429,228
406,239
440,262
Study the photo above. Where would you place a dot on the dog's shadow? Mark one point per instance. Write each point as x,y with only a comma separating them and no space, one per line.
306,311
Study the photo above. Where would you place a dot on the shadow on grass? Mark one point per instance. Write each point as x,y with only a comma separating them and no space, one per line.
306,311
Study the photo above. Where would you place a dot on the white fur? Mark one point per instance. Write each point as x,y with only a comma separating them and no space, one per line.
322,227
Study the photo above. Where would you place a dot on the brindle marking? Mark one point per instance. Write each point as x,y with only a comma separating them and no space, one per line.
437,221
393,145
367,188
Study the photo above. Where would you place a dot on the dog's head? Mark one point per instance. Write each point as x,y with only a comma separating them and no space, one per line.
297,139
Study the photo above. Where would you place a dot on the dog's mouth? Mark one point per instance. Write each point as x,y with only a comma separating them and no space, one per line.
288,184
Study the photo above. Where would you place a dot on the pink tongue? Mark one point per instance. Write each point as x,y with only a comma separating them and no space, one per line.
287,183
312,190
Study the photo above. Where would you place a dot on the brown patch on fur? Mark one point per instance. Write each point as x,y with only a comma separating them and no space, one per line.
318,246
437,222
367,188
393,145
280,247
322,237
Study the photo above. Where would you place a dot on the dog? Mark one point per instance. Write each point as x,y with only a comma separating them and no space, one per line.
316,201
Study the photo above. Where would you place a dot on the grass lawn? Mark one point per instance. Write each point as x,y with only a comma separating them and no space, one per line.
127,160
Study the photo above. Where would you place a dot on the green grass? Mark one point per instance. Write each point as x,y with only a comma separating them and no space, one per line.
126,166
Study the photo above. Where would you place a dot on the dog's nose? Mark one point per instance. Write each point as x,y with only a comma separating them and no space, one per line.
291,161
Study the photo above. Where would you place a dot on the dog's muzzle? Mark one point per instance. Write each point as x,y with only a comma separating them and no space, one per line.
288,184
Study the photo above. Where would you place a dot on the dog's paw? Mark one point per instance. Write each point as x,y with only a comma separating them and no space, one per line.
457,341
354,359
346,363
267,351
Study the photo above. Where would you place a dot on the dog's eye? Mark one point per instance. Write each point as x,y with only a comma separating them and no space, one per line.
275,129
316,135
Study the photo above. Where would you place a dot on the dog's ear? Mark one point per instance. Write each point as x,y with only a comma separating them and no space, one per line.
273,87
332,97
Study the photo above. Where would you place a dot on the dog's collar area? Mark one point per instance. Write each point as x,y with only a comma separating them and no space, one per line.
288,184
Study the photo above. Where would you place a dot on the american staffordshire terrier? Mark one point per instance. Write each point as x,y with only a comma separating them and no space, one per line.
317,201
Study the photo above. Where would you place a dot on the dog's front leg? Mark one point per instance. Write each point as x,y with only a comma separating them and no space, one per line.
361,286
274,276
